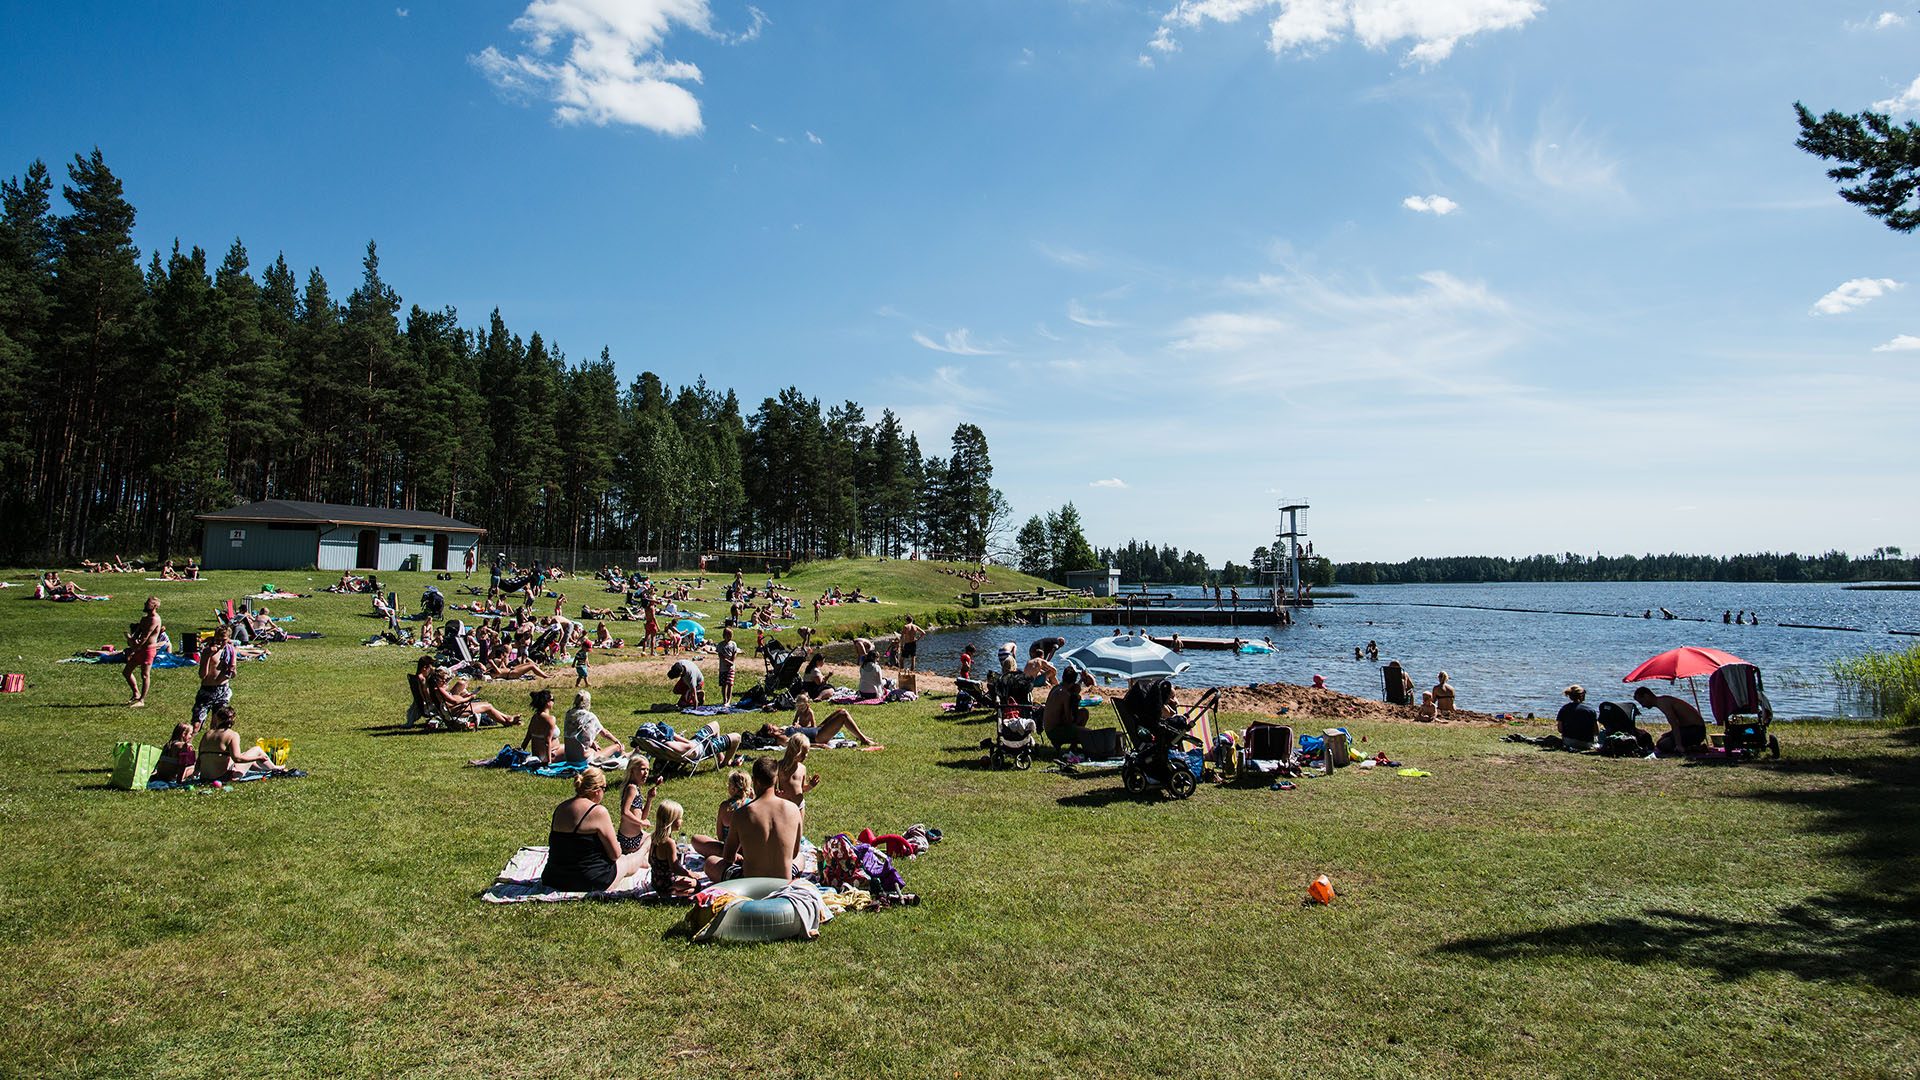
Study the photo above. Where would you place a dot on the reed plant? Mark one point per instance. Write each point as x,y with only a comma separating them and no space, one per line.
1888,682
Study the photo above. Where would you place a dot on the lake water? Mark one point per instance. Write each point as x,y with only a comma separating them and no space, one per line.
1507,661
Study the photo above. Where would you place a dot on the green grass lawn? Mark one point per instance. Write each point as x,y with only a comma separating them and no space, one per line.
1517,914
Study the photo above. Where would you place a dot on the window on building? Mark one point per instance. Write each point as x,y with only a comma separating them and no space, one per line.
419,538
394,537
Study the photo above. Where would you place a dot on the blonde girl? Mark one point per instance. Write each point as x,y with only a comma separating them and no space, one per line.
670,876
790,779
636,798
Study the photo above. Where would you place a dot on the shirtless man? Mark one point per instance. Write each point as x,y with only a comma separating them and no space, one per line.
216,675
910,636
766,832
143,644
1039,668
1687,729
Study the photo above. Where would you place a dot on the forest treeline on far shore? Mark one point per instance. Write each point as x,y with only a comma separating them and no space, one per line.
1882,564
136,392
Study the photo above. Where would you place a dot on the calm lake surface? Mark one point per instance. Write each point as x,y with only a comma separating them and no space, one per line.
1510,661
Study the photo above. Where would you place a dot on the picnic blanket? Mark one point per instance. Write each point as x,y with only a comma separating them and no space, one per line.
521,761
714,710
182,785
519,883
166,659
844,697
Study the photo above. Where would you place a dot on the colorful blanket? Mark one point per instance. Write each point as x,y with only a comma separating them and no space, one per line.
206,786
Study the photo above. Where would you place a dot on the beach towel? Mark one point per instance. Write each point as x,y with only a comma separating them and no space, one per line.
574,768
161,662
182,785
519,883
848,698
713,710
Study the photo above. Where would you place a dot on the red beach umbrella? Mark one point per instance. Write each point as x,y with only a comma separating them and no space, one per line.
1682,663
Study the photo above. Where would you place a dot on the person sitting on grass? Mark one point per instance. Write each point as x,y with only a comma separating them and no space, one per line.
636,799
1578,722
462,705
1686,728
584,732
1062,718
542,739
688,684
814,681
765,838
178,760
791,781
670,876
805,725
873,682
1426,712
583,854
1040,669
222,757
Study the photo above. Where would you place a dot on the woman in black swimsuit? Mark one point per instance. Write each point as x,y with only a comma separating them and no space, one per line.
583,854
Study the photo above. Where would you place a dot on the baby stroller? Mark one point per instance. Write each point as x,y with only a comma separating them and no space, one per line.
1012,743
432,602
783,667
1734,692
1156,759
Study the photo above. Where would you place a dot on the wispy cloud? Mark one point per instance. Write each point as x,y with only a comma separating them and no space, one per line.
1438,205
957,342
1560,161
1093,319
1434,27
1905,101
1079,260
1853,295
402,12
612,70
1110,482
1903,343
815,139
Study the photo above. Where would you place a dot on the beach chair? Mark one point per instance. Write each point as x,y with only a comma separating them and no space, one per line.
710,749
424,707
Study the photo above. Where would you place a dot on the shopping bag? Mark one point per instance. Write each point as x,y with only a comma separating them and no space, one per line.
277,750
133,765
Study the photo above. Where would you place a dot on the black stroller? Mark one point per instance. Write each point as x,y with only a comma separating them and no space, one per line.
783,667
1156,759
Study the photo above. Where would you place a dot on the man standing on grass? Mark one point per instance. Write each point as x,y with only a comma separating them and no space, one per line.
217,662
469,562
143,644
910,636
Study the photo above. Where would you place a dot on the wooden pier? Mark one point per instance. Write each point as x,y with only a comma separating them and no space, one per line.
1155,615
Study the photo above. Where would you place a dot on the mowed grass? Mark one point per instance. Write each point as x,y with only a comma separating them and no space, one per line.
1516,914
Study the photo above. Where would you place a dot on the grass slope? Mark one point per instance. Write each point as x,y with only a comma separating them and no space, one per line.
1517,914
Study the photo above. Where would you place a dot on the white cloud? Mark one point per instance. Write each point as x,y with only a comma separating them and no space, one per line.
1905,101
958,342
402,12
1903,343
1111,482
612,70
1303,26
1853,295
1438,205
815,139
1886,20
1093,319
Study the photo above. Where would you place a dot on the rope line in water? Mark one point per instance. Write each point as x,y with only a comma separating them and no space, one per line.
1598,615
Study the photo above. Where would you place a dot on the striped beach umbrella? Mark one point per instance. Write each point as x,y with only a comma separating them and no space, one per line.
1130,657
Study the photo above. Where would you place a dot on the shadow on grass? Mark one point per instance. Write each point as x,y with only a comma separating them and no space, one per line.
84,705
1867,932
1099,797
1847,937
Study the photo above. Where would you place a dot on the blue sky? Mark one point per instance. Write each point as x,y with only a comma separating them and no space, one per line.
1487,276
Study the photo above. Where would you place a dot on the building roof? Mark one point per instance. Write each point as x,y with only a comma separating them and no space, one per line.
292,512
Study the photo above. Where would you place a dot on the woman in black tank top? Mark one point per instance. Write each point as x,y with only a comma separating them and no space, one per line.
583,854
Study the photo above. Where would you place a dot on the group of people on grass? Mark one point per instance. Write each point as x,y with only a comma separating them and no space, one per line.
1581,727
205,747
